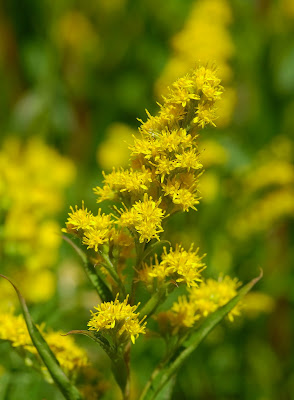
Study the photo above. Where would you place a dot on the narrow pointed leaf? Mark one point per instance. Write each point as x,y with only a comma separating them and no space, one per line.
100,340
161,376
66,387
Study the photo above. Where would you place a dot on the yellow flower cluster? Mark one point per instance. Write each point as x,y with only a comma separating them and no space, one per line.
177,265
180,317
162,179
70,356
268,190
118,319
114,151
205,37
145,217
212,294
264,213
95,230
165,159
33,178
203,300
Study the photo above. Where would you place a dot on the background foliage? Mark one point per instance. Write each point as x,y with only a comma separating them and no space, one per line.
75,76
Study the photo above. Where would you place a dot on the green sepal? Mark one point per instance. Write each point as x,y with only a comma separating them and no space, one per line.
66,387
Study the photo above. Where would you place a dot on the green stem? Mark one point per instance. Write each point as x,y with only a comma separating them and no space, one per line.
151,306
110,268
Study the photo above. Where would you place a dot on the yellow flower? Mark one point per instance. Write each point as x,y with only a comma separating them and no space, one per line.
33,177
187,265
205,114
189,160
13,329
94,229
114,152
145,216
119,319
183,192
181,316
94,237
127,180
79,219
179,265
212,294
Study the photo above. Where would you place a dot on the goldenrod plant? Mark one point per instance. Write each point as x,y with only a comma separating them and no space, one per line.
130,261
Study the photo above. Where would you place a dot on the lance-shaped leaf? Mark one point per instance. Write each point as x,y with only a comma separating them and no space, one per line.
66,387
164,373
96,280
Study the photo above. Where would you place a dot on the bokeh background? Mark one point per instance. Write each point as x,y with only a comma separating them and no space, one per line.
74,77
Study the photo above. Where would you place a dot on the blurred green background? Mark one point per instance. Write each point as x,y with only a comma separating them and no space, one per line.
75,76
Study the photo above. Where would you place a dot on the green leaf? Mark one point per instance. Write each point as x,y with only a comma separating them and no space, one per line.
69,391
99,285
162,375
96,338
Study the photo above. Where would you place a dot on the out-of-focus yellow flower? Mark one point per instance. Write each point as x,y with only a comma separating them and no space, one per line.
264,213
118,319
258,302
212,294
70,356
37,285
13,329
114,151
268,190
75,32
180,317
212,153
33,177
287,8
270,173
209,186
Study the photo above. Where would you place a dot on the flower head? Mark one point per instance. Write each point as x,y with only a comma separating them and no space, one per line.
212,294
79,219
117,318
178,265
145,217
180,317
